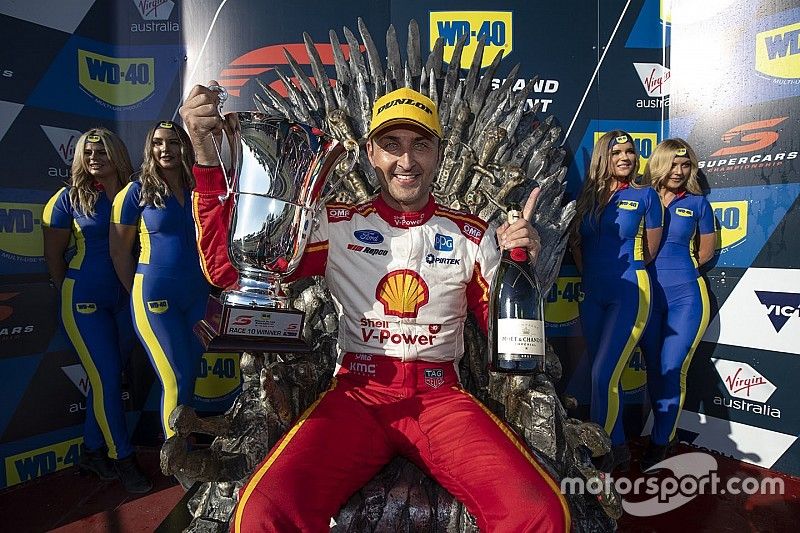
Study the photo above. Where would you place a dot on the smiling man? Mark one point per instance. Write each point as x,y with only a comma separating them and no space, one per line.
402,271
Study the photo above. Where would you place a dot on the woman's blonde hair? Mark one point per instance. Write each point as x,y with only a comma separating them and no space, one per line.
599,179
155,189
83,195
659,165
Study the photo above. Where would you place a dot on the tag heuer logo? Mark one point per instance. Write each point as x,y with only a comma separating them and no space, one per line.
434,377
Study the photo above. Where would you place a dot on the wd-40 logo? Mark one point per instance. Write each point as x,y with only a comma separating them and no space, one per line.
119,83
77,375
561,306
154,9
63,140
495,26
645,142
46,460
86,308
731,219
402,293
743,381
158,306
655,78
778,52
21,230
748,144
443,243
780,307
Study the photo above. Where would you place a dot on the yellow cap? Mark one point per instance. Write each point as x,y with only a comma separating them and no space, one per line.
405,106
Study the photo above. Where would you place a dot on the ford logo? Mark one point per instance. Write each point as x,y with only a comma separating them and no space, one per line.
368,236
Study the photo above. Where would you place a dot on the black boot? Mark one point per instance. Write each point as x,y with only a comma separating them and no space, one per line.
132,477
654,454
97,463
617,460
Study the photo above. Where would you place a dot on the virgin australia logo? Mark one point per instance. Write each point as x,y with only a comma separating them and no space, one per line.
743,381
154,9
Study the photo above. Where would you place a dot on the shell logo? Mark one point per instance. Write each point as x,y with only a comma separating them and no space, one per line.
402,293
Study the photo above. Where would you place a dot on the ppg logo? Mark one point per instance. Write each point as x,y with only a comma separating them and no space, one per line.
443,243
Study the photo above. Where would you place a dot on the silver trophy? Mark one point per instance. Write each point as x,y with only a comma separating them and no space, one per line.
278,176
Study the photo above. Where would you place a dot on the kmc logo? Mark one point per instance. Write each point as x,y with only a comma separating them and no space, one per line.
495,26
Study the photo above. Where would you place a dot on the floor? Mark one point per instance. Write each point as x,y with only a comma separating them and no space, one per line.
67,502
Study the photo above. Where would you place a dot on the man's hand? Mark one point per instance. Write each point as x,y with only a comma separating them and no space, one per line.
200,114
521,234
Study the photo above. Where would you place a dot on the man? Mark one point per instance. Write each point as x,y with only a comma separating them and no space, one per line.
401,317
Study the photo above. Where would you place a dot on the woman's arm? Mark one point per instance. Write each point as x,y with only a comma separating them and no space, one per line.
652,239
56,241
121,240
706,246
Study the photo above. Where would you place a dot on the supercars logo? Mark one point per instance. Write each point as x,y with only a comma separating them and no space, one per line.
63,140
752,137
21,230
778,52
780,307
731,222
158,307
402,293
118,83
495,26
644,142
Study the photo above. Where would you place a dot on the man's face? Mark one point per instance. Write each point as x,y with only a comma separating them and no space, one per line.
405,158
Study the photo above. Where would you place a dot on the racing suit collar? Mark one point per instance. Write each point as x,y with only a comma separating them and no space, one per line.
404,219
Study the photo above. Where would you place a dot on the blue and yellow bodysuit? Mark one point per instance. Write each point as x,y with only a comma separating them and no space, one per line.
680,311
96,316
169,293
616,303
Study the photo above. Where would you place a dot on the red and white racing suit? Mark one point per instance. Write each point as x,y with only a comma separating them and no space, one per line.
402,284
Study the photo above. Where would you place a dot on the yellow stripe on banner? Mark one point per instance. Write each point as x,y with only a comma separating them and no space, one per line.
701,328
80,244
47,212
517,444
256,477
642,315
116,205
163,368
74,334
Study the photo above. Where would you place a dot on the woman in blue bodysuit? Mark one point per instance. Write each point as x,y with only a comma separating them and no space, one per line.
168,289
94,306
617,230
680,297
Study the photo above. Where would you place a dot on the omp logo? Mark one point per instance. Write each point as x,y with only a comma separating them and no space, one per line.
63,140
778,52
683,212
21,230
655,78
402,293
743,381
116,82
46,460
645,142
749,137
154,9
158,306
628,205
731,219
780,307
77,375
86,308
495,26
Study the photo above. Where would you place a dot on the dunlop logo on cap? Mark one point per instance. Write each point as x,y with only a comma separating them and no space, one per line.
93,139
405,106
622,139
680,151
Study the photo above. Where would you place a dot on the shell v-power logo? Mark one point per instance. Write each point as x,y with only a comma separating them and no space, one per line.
116,82
495,26
778,52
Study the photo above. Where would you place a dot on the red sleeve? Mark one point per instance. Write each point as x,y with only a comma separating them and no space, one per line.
478,298
211,219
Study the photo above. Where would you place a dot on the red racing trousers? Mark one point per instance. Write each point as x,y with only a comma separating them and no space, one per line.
376,408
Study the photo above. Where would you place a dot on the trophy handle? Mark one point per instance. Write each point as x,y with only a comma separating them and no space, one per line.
222,95
342,169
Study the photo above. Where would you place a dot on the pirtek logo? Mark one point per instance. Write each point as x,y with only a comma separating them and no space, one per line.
780,306
757,140
404,101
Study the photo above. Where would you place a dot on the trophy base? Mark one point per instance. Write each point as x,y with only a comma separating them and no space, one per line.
214,342
234,328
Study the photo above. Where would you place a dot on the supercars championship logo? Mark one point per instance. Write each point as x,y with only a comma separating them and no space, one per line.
494,26
750,146
778,53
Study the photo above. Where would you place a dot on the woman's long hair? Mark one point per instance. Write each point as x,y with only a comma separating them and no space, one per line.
83,195
659,166
599,180
155,189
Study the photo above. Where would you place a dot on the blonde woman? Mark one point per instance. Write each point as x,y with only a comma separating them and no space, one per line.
94,306
168,289
617,231
680,297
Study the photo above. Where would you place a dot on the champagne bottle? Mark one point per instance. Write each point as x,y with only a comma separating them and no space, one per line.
516,312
